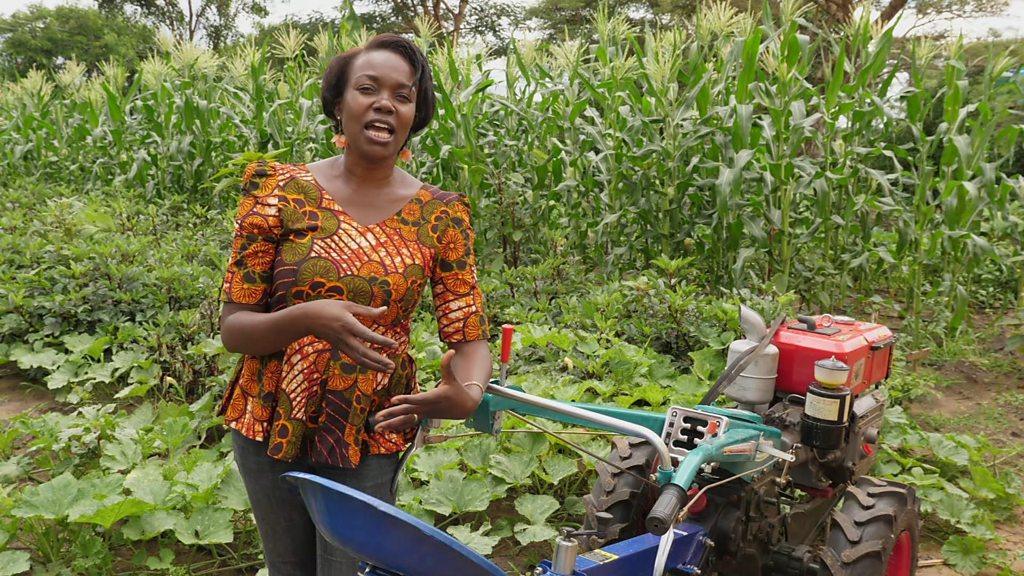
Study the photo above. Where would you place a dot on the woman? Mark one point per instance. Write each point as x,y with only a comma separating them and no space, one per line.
328,265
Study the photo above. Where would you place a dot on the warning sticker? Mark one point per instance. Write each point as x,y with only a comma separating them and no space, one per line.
599,556
823,408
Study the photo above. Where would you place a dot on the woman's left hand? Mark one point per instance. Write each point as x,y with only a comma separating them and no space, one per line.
449,399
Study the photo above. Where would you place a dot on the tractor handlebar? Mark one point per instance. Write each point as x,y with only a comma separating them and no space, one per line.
663,516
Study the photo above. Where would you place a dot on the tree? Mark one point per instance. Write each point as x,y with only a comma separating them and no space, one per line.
215,21
489,21
556,17
933,10
575,17
926,11
40,37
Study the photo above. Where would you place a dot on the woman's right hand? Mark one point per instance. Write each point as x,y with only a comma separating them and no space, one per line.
335,322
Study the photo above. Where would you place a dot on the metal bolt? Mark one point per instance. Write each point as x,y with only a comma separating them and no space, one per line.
708,542
538,571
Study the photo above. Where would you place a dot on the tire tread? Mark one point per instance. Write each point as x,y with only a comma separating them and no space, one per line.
865,527
616,492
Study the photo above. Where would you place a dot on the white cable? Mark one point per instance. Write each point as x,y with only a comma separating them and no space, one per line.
664,545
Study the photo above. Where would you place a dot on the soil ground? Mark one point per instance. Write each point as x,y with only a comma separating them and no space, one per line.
982,396
17,397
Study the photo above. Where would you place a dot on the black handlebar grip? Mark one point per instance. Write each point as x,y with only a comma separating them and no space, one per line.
663,515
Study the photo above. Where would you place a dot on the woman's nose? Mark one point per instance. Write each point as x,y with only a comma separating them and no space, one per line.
383,104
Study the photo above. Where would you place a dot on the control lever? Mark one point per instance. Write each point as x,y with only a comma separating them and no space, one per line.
604,520
768,448
507,330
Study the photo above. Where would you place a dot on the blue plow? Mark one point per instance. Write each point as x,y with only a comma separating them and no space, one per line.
394,543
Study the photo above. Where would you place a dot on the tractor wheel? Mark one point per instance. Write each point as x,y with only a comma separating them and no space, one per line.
623,496
874,532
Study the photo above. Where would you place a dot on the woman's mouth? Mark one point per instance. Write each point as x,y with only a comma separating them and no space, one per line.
380,131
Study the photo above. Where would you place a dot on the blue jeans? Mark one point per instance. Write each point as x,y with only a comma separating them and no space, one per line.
291,544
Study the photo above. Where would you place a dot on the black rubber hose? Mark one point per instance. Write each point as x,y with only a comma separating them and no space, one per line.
663,515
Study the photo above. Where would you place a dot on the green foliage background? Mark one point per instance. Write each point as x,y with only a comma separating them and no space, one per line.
626,193
42,38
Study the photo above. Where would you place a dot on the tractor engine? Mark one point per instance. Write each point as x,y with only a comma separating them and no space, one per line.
814,386
818,382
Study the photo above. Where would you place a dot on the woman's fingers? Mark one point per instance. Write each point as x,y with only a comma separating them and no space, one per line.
361,310
365,357
398,423
359,357
447,375
363,333
395,411
420,399
439,402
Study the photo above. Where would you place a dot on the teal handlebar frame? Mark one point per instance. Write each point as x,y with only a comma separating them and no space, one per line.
744,427
483,420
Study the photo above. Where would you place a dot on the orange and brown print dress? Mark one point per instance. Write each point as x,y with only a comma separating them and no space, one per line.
292,244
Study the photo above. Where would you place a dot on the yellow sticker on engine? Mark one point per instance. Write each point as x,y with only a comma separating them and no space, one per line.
599,556
823,408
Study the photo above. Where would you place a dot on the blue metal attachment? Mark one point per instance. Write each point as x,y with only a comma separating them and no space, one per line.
635,557
383,536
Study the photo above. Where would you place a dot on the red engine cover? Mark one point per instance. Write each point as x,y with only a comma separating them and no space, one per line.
865,347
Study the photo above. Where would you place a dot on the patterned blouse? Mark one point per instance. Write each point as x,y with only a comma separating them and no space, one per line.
293,243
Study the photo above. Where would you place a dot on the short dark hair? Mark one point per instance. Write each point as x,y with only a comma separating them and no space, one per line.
335,80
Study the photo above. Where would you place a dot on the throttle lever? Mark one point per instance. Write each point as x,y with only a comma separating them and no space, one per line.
507,330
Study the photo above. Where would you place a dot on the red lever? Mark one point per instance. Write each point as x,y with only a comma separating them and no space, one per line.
507,330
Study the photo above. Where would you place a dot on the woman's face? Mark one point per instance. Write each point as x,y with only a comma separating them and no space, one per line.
378,105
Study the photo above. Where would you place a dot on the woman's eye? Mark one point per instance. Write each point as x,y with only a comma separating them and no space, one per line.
365,89
404,97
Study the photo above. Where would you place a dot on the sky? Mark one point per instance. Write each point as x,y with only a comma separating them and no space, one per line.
1009,25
